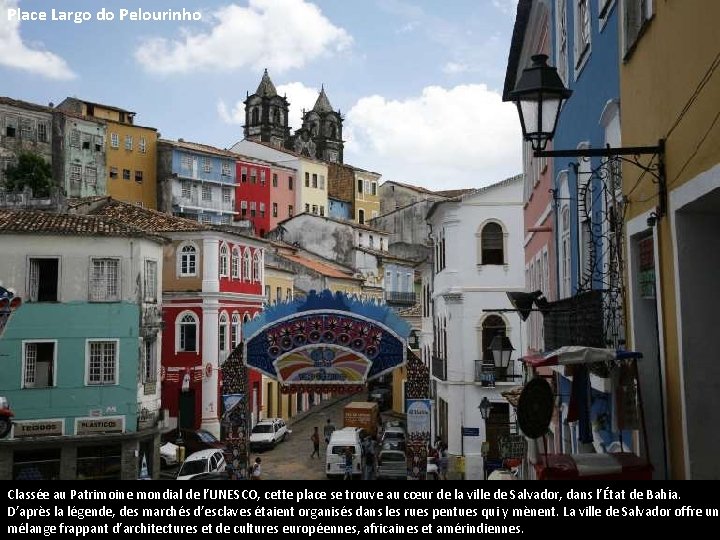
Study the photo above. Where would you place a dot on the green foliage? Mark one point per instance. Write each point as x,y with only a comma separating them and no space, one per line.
31,170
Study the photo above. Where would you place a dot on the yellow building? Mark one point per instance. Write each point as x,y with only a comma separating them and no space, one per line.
357,186
131,152
670,89
312,194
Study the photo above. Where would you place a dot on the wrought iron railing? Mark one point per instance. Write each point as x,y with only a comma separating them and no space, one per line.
394,297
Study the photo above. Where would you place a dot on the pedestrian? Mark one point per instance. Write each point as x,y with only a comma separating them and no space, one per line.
256,469
328,430
315,438
348,464
369,466
442,462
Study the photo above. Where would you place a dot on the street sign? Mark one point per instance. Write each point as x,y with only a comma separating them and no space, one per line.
471,432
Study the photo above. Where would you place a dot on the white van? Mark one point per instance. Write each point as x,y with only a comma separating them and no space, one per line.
335,453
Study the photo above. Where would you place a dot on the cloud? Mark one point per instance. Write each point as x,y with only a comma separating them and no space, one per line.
445,138
506,6
276,34
453,68
300,97
15,54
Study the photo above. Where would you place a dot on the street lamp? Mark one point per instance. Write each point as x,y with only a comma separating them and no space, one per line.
485,407
539,95
502,350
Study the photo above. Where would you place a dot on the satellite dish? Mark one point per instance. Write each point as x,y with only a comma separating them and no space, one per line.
535,408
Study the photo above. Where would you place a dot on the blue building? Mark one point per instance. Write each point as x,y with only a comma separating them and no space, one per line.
339,209
197,181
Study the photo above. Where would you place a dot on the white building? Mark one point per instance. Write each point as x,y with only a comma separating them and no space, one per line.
477,257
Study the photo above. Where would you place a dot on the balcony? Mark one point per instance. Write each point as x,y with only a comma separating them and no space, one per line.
403,298
487,374
195,201
439,368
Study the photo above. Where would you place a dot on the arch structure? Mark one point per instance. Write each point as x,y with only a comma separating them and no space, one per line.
325,342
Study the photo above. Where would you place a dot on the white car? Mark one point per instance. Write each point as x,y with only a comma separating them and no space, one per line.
268,433
204,461
168,454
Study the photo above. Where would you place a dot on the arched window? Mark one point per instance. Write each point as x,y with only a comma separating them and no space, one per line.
224,260
255,116
187,259
492,242
246,265
222,332
256,266
235,330
492,325
333,131
186,330
235,263
246,317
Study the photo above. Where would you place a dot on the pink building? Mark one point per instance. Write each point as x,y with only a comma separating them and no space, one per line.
283,186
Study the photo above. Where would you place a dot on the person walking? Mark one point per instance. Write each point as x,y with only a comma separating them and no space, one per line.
328,430
348,464
369,458
442,462
315,438
256,470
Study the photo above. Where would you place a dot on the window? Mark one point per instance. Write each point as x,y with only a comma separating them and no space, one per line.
307,208
205,218
256,266
86,142
91,176
188,260
235,263
27,130
151,281
142,145
372,241
361,216
43,280
226,168
243,175
75,174
224,260
207,165
278,294
206,193
322,210
128,142
492,325
314,180
274,180
582,32
561,37
360,186
187,332
290,210
114,140
246,265
374,188
565,252
226,195
113,172
262,209
149,361
253,208
126,174
139,177
267,293
243,208
367,186
105,280
75,138
290,183
635,16
274,209
185,189
262,177
223,332
42,133
288,294
98,143
186,162
491,244
314,209
235,330
253,176
102,362
322,181
39,364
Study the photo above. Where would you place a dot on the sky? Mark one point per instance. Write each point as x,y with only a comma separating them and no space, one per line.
418,82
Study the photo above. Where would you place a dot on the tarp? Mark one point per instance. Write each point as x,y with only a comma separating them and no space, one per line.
575,354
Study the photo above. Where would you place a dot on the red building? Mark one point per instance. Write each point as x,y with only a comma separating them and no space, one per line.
252,193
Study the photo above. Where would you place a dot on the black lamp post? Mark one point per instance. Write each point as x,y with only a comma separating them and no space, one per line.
502,351
539,95
485,407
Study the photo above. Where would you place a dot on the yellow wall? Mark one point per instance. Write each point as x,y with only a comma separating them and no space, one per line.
657,80
274,279
312,196
170,279
366,200
345,286
399,376
132,160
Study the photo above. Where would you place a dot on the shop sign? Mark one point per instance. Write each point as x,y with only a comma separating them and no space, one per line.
103,424
38,428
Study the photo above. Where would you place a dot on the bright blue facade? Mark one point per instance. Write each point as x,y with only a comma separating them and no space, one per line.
595,85
339,209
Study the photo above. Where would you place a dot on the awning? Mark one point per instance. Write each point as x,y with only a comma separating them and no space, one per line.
621,466
576,354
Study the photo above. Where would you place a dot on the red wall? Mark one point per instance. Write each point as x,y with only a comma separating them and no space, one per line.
253,192
234,285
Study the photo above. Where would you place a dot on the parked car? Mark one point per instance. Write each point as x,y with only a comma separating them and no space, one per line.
340,440
268,433
194,440
393,433
391,464
204,461
168,454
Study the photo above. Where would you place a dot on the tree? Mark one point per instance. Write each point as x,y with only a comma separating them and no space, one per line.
31,170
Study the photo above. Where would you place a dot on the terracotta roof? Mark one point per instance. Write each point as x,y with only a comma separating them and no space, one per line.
36,222
75,202
24,104
198,147
146,219
319,267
